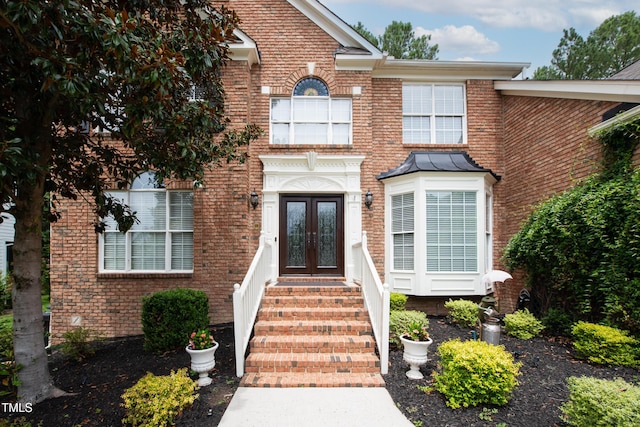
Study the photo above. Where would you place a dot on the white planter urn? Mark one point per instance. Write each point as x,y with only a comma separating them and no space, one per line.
202,361
415,354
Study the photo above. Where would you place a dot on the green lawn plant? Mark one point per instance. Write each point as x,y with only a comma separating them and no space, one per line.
462,312
154,401
522,324
597,402
400,321
475,373
80,343
605,345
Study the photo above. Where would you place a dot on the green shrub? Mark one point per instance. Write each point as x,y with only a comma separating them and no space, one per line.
580,250
522,324
463,312
157,400
18,422
80,343
6,341
475,372
605,345
169,317
6,283
399,323
595,402
397,302
557,322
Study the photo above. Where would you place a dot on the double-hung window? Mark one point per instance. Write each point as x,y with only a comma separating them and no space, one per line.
311,116
433,113
162,238
402,230
452,231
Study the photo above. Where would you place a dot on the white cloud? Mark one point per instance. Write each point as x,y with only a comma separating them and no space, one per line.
461,42
545,15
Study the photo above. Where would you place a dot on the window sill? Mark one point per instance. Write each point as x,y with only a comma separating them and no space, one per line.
145,275
433,145
311,146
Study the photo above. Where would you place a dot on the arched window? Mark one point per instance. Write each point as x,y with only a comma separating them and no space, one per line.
162,238
311,116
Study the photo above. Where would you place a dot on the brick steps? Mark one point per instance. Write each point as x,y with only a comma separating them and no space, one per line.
314,344
312,336
280,379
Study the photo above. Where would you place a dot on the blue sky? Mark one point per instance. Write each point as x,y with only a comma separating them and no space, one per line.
486,30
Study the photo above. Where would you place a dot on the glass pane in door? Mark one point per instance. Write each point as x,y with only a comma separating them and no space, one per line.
296,231
327,234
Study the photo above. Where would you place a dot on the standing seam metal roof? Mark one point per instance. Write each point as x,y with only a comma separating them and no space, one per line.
436,161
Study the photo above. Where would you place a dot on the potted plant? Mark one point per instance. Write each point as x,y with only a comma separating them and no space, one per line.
416,342
202,348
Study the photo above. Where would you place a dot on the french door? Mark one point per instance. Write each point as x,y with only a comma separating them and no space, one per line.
311,235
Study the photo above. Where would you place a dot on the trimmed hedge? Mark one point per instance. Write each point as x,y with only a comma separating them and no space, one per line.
169,317
601,403
475,373
522,324
605,345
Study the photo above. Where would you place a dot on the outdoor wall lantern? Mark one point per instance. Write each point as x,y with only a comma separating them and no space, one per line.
368,199
253,199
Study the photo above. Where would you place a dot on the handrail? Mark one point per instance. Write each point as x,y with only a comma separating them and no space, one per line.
376,297
247,298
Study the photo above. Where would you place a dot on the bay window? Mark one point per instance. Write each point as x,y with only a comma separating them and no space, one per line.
438,222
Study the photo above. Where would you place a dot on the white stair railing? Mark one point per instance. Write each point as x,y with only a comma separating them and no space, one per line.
247,298
376,297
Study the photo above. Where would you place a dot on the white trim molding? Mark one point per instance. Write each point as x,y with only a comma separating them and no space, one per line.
313,173
596,90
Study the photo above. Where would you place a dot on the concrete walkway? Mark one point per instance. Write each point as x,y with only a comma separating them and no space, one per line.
313,407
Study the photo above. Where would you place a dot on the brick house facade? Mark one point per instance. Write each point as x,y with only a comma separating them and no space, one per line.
528,140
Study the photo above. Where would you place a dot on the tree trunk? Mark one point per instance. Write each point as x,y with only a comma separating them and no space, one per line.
35,381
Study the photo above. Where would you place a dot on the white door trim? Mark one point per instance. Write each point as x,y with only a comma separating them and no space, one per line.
313,173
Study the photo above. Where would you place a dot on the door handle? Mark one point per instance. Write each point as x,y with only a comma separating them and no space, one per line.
308,240
314,240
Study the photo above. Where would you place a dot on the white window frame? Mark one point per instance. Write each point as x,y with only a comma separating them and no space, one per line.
167,231
420,281
291,120
432,115
403,224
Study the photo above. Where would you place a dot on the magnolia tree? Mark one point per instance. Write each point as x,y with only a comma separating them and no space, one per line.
73,72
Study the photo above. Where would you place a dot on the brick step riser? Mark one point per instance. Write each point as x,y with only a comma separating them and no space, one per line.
364,344
308,315
264,366
312,380
313,302
310,291
282,328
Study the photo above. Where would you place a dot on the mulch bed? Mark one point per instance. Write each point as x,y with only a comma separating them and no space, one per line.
99,382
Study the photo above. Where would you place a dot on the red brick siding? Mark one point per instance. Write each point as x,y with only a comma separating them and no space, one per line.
536,145
547,150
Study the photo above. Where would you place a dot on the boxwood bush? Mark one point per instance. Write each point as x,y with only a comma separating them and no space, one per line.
462,312
522,324
399,323
475,372
397,302
605,345
169,317
601,403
